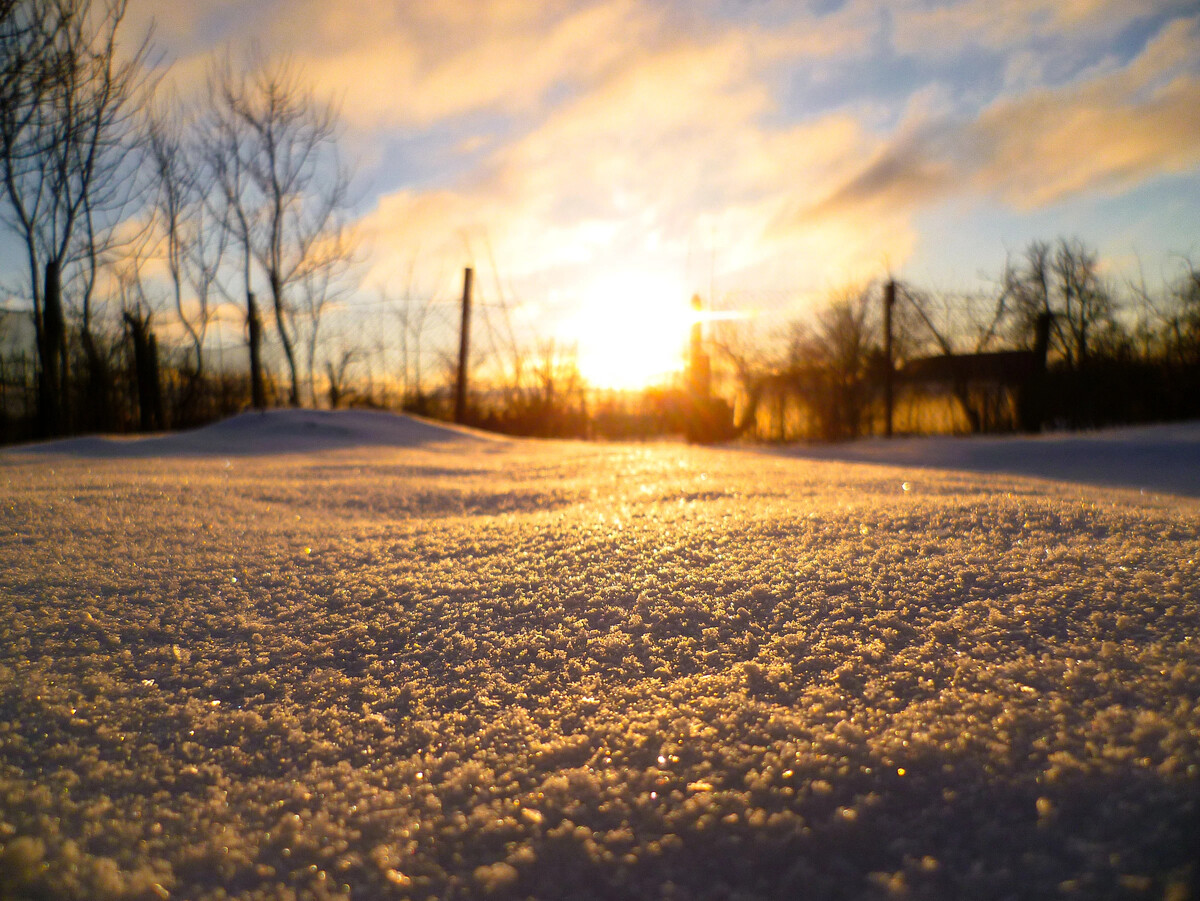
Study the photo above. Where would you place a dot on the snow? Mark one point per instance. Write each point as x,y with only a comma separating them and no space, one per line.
1161,458
272,432
335,655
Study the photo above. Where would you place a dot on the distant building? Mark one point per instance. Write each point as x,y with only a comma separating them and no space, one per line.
18,369
17,334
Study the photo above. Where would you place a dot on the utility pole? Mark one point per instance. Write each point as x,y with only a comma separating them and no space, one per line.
464,349
889,301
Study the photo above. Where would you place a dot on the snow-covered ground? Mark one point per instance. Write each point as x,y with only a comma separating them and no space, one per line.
1159,459
330,655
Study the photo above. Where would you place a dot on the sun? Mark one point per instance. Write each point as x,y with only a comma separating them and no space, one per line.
632,330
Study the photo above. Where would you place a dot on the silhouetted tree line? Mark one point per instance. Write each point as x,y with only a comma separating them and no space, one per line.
138,215
1057,345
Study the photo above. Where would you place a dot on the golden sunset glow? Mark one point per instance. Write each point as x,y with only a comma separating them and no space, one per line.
598,162
755,146
632,330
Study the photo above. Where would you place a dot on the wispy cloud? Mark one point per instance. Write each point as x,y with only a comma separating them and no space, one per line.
575,136
1107,133
941,28
674,150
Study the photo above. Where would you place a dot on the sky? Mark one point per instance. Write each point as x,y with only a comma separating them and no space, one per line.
601,160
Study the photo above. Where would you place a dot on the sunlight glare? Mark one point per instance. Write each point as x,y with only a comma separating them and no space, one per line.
632,331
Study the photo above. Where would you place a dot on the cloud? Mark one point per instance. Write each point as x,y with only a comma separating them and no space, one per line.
575,138
1041,152
1106,134
412,64
673,152
417,64
944,28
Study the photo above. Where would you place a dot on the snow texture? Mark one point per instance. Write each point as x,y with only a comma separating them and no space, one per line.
1162,458
354,655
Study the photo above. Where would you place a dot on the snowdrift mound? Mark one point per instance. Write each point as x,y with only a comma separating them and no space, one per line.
1162,458
272,432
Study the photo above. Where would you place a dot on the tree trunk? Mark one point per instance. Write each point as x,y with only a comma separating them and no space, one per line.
285,339
258,391
335,387
145,364
975,417
99,412
154,382
51,400
1031,396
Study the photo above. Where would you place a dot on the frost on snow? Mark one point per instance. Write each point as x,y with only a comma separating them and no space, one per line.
422,664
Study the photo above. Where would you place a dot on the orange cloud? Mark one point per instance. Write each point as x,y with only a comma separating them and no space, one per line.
414,64
627,133
664,156
1108,133
1042,150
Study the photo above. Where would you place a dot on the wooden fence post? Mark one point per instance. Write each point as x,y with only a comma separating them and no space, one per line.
464,349
889,372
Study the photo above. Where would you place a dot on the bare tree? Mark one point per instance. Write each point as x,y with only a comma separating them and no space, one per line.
175,202
1171,322
1185,295
557,383
844,342
413,310
1062,280
293,190
70,100
205,254
24,38
1087,304
316,292
336,375
137,313
205,250
232,208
